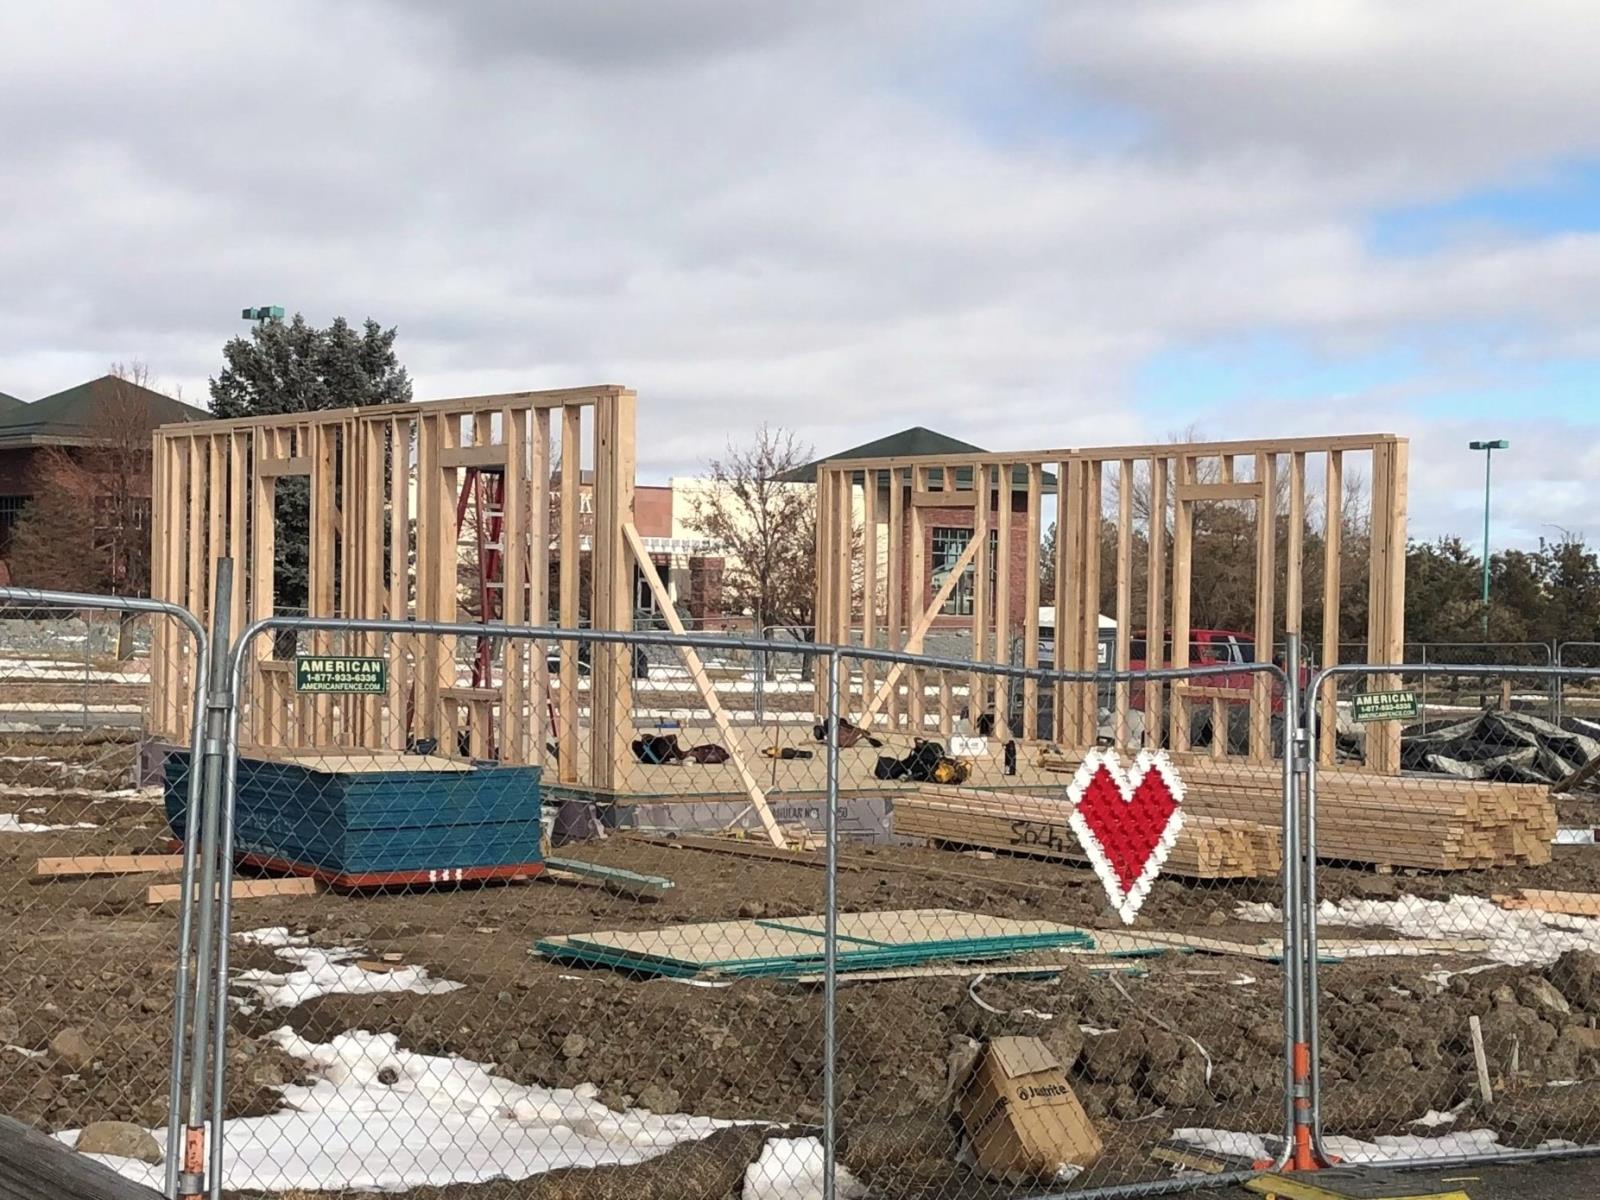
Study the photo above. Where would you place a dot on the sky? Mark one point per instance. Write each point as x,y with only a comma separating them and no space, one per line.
1028,225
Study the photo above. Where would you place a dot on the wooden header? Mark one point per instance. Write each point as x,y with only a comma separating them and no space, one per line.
1350,442
519,401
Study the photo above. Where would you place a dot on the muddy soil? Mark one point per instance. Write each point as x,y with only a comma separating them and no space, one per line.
1179,1040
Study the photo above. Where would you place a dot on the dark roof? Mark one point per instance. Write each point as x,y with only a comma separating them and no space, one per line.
918,441
8,402
70,417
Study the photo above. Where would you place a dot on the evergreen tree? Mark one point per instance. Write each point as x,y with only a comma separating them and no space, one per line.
289,367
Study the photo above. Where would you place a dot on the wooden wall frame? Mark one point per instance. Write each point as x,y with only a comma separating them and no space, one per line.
895,603
371,556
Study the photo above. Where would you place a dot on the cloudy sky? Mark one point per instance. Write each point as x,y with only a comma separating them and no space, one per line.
1025,224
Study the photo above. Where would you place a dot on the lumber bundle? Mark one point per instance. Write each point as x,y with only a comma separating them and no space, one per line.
1389,820
1208,848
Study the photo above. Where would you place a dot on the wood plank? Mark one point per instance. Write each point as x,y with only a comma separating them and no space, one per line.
743,849
1332,557
1088,630
243,889
1124,594
707,689
1294,559
35,1166
978,681
539,578
1252,490
1155,609
402,649
514,594
1030,602
1265,606
616,879
895,633
278,466
869,576
1005,484
111,864
1182,592
916,588
476,456
1065,565
571,561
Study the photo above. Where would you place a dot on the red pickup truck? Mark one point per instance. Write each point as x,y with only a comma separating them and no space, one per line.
1212,648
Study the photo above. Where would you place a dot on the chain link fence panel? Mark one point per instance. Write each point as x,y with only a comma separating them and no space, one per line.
91,910
1456,932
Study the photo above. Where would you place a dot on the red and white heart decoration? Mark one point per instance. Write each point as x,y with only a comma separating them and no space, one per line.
1126,822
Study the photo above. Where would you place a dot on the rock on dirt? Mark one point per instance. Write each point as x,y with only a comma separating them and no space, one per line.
72,1048
1576,975
120,1139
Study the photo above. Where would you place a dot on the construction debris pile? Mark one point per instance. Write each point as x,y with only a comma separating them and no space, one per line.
1502,747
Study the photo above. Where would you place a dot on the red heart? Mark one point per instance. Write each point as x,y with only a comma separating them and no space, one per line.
1126,824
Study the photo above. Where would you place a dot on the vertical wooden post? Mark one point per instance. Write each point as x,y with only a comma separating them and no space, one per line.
539,573
1124,582
869,577
1332,557
1266,615
1089,629
978,681
321,560
1386,618
571,563
895,636
1182,583
917,591
1155,606
162,643
514,596
1030,602
402,649
264,716
1069,530
1001,684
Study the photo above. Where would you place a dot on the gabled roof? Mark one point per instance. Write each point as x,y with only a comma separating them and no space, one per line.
70,417
8,402
918,441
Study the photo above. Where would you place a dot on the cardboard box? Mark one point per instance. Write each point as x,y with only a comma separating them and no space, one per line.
1022,1120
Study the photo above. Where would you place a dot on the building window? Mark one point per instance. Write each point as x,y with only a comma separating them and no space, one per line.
947,547
10,510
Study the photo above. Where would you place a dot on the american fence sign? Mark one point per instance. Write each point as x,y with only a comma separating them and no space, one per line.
1384,706
347,674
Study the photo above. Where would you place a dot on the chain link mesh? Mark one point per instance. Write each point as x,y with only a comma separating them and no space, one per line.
90,900
1458,926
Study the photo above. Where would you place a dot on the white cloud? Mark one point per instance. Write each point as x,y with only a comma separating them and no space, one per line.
798,213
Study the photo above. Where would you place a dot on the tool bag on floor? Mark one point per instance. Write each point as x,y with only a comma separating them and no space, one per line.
658,749
919,766
849,735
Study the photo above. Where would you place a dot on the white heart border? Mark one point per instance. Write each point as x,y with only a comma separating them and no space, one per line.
1126,904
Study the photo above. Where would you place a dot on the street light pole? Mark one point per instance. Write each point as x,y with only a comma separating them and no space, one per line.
1488,448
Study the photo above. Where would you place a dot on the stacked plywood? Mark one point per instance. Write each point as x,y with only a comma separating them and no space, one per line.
1432,822
1208,847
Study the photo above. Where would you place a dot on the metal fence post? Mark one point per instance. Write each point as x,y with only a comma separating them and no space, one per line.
830,950
209,763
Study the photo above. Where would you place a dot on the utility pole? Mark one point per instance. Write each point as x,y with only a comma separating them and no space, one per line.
1488,448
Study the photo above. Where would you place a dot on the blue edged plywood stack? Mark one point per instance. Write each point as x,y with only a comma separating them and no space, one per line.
362,820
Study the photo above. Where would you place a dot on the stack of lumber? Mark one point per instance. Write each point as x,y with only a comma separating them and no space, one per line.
1432,822
1209,847
1397,820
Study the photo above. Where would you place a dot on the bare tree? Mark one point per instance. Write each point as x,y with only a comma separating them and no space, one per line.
767,529
88,526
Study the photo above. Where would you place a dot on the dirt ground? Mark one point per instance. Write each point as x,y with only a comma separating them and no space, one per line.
1181,1040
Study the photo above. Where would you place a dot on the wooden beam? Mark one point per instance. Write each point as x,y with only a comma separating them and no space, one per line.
243,889
708,691
277,467
1332,555
568,616
920,630
35,1166
478,456
1124,592
1155,606
951,499
1251,490
1030,603
895,615
1294,568
514,593
869,576
539,576
1265,605
1001,684
110,864
1182,585
914,593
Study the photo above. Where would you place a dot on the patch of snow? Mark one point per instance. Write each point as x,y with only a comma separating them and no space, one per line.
1388,1148
792,1169
1516,937
379,1118
1433,1118
24,1051
323,972
11,823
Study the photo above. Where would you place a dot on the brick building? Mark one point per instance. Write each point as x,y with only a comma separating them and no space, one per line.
946,531
77,418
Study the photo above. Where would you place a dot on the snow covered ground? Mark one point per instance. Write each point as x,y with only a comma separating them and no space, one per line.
379,1118
1516,937
13,823
322,972
1353,1150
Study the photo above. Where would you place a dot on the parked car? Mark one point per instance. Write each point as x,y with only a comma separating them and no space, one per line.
641,661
